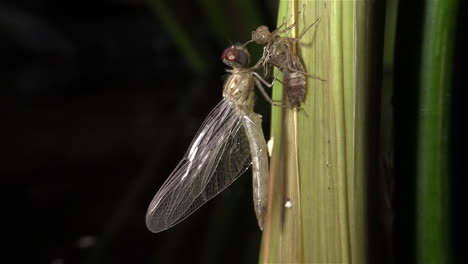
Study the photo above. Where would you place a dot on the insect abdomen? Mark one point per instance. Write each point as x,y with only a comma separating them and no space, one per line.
294,86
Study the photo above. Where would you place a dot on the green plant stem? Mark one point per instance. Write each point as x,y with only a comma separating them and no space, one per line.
433,171
321,160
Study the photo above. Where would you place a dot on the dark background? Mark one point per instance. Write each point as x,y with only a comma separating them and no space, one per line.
408,48
100,100
99,105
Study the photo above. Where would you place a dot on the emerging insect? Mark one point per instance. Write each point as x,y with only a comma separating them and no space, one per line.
228,142
278,51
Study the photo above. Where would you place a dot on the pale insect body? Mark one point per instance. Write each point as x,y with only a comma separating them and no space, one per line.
228,142
278,51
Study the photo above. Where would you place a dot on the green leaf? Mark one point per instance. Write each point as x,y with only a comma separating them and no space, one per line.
321,159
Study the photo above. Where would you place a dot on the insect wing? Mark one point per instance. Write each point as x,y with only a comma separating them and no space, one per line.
217,156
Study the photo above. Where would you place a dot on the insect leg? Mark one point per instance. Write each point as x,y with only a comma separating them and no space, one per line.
275,78
290,68
261,61
312,76
294,40
293,68
264,93
303,32
286,29
267,84
284,24
277,30
306,74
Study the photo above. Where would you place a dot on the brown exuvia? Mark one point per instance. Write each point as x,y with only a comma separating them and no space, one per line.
278,51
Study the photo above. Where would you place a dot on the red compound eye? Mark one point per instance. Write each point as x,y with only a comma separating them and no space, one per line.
236,56
230,54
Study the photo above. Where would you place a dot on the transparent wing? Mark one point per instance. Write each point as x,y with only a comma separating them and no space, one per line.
217,156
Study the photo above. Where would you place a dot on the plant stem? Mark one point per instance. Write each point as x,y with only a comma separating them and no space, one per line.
433,171
321,159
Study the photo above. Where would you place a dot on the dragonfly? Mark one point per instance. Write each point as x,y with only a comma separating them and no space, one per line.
278,51
228,142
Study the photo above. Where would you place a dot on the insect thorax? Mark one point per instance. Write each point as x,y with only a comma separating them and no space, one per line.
239,88
279,50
